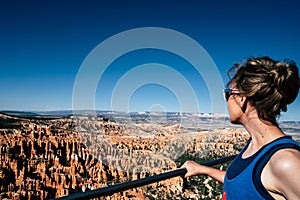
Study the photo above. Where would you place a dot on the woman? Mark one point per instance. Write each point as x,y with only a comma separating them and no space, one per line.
268,167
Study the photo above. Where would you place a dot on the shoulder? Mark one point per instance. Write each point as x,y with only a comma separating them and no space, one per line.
285,160
281,169
284,166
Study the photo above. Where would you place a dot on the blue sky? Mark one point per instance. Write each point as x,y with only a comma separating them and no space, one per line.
44,44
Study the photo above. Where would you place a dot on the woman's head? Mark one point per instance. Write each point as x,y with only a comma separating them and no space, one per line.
269,85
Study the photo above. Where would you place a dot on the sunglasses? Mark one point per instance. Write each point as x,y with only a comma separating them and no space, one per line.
228,91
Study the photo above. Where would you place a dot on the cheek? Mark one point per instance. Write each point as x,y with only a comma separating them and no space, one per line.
234,118
233,113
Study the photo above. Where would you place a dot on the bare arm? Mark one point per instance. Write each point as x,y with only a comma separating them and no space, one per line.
194,169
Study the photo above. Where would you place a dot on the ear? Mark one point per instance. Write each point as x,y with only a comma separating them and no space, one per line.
243,102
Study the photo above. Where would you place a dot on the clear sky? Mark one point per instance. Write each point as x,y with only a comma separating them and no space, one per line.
44,44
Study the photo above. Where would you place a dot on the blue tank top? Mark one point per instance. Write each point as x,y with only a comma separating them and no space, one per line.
242,179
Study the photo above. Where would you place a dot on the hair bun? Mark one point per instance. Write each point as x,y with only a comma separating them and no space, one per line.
286,79
279,74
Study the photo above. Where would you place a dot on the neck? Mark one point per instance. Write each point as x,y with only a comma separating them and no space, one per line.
261,132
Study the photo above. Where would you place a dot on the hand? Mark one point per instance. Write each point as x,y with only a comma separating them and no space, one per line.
193,168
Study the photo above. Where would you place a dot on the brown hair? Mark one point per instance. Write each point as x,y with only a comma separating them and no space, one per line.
269,85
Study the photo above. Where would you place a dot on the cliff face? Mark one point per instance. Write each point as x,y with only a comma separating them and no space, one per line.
50,158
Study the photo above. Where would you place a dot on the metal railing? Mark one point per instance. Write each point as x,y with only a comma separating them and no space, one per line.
120,187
